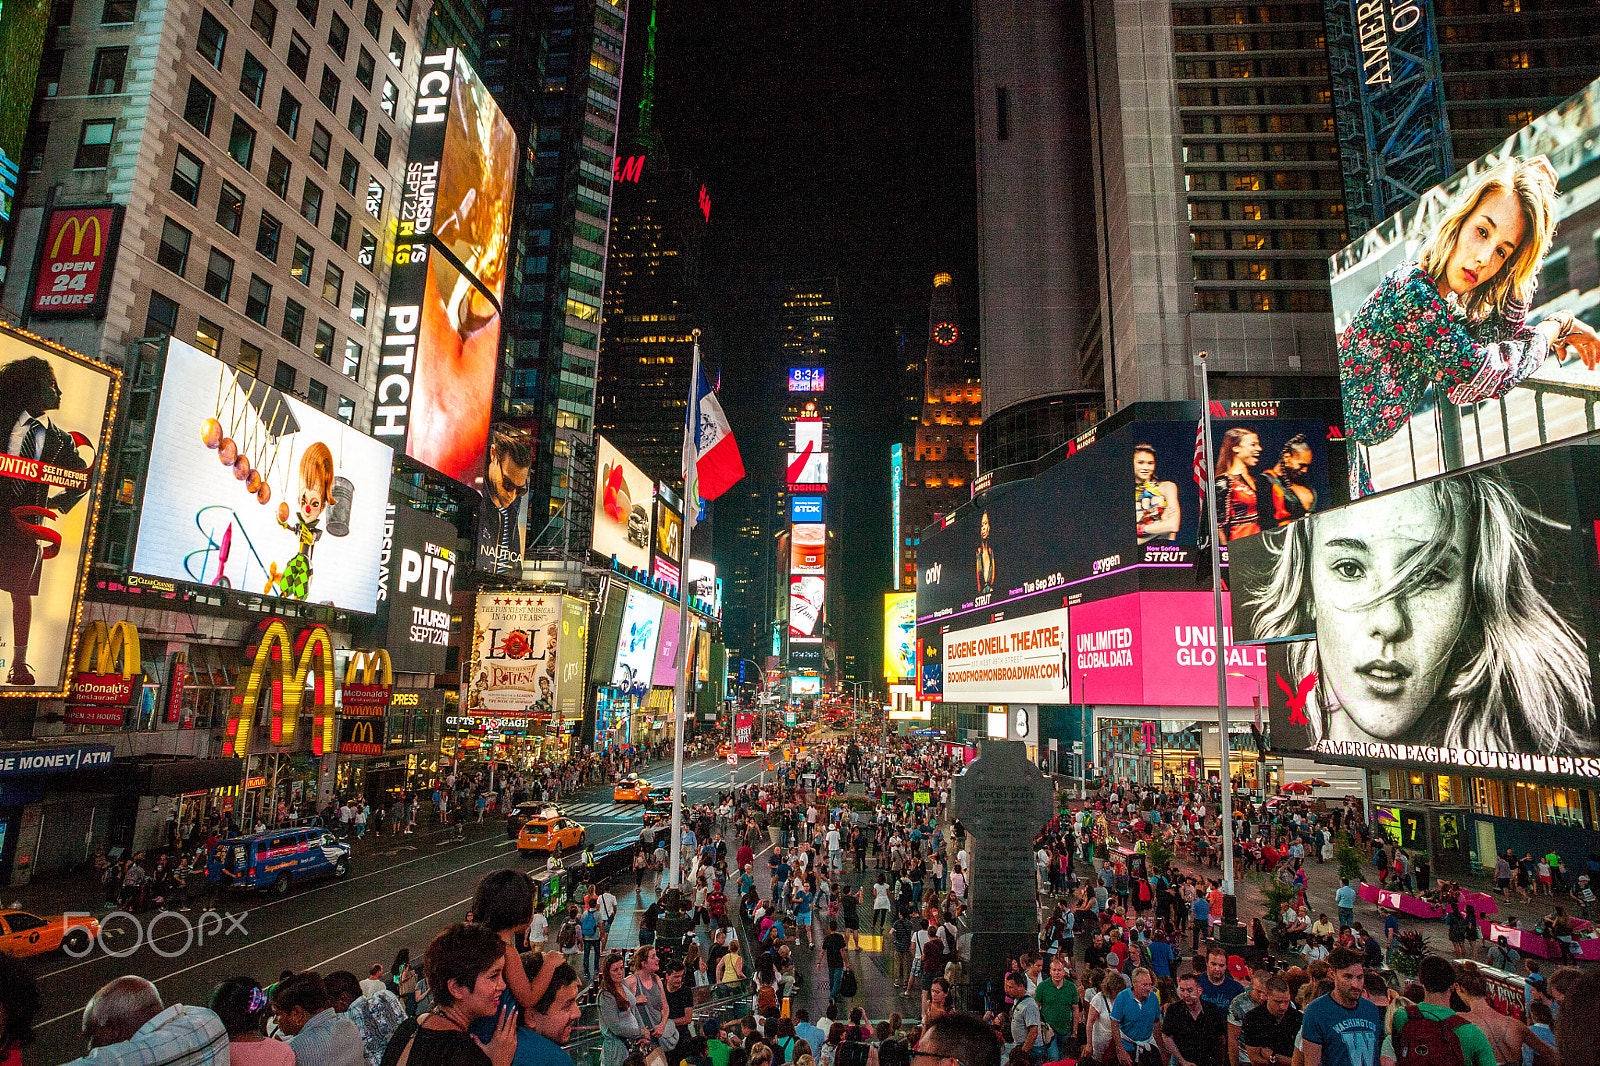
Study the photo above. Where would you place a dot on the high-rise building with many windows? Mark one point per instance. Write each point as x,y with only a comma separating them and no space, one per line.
256,150
556,70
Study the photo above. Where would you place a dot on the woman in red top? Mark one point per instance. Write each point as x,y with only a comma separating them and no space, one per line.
1238,510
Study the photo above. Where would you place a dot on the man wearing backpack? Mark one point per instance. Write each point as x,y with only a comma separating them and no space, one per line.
590,925
1435,1035
567,938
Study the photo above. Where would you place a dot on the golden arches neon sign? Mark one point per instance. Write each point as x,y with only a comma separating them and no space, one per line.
100,646
271,657
371,666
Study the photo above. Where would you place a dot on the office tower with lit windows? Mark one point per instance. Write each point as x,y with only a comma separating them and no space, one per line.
256,151
939,470
555,68
457,24
652,309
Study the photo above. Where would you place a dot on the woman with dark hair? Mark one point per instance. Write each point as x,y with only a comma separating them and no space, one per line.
242,1004
504,903
403,977
465,970
19,1005
1238,506
619,1023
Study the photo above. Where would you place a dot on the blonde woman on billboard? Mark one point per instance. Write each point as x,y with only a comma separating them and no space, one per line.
1458,316
1430,624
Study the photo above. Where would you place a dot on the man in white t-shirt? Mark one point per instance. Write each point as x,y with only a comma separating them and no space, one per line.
538,929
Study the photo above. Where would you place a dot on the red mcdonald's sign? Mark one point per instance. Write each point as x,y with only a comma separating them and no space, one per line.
76,255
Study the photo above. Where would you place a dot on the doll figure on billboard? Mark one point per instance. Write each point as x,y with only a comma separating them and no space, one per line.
316,493
1155,502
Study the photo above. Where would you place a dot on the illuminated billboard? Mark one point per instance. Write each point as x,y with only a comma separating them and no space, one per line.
805,685
442,328
704,584
805,508
808,471
64,405
416,576
808,542
622,502
806,596
667,657
808,434
1449,358
1011,660
77,255
899,636
636,644
668,539
517,655
1445,623
503,511
805,379
896,475
250,488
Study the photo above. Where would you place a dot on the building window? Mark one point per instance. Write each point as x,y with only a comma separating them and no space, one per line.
368,254
311,202
332,283
278,174
300,264
299,57
109,70
186,172
230,208
316,394
61,14
359,299
264,19
1002,113
219,276
294,322
328,93
267,235
288,114
283,377
374,197
253,79
199,106
374,20
352,360
358,120
250,358
242,142
212,40
322,347
34,142
366,66
403,9
161,319
338,36
208,336
174,250
380,146
257,300
321,145
116,12
397,49
339,232
308,10
94,145
347,410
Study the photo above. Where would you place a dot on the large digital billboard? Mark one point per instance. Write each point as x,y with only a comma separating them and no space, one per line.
573,648
808,543
416,576
503,511
806,597
899,636
666,667
517,655
1159,649
60,407
1016,659
808,471
442,329
636,645
250,488
1449,622
1466,321
668,539
806,379
622,502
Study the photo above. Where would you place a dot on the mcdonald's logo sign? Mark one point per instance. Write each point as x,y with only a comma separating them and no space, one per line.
368,683
272,658
360,736
108,665
76,254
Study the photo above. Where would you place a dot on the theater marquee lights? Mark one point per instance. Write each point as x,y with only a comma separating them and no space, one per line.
271,659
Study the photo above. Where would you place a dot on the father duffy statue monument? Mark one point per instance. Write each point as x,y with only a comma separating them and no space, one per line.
1004,801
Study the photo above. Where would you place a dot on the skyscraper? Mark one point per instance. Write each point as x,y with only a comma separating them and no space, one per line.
939,472
556,70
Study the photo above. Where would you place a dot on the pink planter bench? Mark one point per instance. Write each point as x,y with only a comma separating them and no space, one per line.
1418,907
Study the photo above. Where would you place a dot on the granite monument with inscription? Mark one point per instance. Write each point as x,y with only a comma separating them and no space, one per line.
1004,801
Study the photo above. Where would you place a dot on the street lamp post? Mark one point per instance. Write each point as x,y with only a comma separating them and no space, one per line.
1083,737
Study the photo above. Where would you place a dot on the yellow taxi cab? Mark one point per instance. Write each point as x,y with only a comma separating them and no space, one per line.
550,831
724,750
23,934
631,790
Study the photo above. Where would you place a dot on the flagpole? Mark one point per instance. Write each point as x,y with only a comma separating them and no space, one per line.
1222,666
692,418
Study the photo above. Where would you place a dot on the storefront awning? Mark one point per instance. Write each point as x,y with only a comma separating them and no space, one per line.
164,777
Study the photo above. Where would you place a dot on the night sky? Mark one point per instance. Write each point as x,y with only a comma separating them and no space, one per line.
835,139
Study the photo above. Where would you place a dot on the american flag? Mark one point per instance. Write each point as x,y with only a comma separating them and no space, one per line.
1200,454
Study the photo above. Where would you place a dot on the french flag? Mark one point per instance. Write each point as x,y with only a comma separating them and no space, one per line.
710,454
